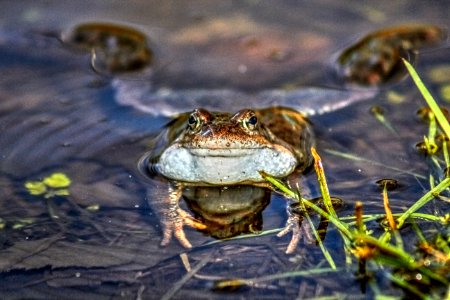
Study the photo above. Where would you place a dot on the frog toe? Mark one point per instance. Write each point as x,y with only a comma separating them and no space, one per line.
194,223
181,237
294,225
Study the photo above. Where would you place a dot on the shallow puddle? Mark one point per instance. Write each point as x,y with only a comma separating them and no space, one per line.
94,232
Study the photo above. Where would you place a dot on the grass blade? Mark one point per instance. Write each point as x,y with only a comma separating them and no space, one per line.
423,200
442,120
323,183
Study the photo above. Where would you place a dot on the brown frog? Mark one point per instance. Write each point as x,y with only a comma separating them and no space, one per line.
217,149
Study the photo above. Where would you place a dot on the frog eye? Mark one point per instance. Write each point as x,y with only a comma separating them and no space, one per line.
253,120
193,121
250,122
198,118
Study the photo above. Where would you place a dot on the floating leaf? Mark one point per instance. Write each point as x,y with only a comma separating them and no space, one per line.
35,187
22,223
445,92
229,284
57,180
62,192
93,208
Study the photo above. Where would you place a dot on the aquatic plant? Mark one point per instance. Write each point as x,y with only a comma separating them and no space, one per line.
56,184
422,273
56,187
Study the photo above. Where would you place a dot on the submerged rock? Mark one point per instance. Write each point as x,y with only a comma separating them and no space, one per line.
376,58
115,48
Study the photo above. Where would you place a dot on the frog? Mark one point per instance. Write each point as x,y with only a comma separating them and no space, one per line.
223,149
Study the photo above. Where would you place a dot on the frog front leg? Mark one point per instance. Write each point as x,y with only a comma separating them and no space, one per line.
299,228
172,217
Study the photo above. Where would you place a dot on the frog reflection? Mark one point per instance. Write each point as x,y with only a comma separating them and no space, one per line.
228,211
217,149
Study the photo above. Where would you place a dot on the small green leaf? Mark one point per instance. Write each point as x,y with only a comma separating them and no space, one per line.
57,180
22,223
62,192
93,208
35,187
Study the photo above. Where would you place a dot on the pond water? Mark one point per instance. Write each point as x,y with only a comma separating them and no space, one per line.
63,111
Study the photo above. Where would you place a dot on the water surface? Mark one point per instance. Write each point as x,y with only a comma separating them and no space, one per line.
58,115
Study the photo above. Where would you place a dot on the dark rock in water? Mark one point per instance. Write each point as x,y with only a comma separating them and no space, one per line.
115,48
376,58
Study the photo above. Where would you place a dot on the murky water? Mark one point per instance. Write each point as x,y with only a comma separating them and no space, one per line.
59,115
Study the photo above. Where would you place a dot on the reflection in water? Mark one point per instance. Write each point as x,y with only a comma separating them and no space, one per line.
145,97
228,211
225,212
115,48
376,59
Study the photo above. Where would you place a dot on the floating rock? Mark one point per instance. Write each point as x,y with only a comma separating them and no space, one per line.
115,48
376,58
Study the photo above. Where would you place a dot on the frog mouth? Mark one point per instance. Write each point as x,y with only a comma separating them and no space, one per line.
224,166
224,152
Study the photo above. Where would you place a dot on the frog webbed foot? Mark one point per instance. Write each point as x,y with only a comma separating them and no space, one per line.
299,229
165,197
174,224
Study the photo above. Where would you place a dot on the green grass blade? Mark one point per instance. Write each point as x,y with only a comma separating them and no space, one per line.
318,166
445,153
342,227
442,120
324,250
423,200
